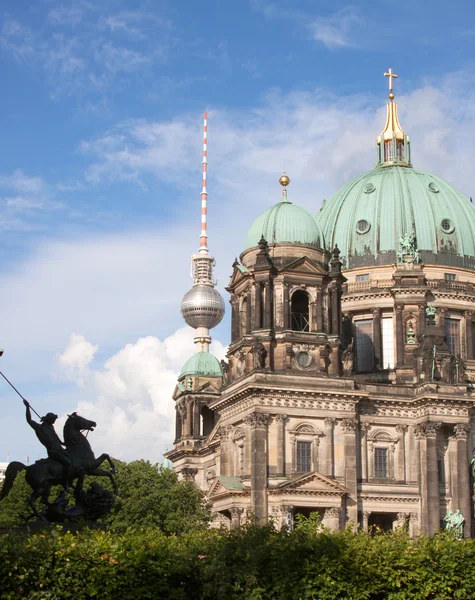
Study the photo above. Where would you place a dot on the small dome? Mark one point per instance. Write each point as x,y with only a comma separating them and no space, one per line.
202,306
285,223
367,216
201,363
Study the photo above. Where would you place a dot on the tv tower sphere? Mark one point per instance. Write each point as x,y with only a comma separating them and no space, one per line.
202,306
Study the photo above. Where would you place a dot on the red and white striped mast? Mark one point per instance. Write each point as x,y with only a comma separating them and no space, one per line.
204,192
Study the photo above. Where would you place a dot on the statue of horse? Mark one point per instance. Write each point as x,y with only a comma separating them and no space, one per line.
45,473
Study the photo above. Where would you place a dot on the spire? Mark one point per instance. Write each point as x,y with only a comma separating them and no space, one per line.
284,181
204,192
203,307
393,143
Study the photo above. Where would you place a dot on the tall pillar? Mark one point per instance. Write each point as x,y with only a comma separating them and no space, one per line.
328,462
319,309
268,320
348,427
313,316
258,423
468,314
426,433
421,319
364,427
189,419
335,310
248,312
257,307
453,472
178,425
463,474
286,306
378,351
401,453
280,440
196,419
399,336
226,460
366,516
234,318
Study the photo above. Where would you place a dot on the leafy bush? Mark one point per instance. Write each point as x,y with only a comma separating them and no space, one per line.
256,563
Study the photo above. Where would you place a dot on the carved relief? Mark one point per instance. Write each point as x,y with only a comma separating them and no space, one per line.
461,431
348,425
257,419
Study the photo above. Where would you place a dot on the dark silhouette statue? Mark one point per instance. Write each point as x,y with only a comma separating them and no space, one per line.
62,467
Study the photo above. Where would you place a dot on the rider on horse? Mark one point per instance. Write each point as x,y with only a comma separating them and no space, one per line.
49,438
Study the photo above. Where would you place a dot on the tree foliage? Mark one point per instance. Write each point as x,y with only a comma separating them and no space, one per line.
148,496
252,563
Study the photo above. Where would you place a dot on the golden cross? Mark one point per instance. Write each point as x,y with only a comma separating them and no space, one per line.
391,75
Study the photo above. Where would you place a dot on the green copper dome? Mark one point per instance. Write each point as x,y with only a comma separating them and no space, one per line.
201,363
367,216
285,222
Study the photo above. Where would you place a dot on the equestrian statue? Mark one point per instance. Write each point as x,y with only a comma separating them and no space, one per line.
68,462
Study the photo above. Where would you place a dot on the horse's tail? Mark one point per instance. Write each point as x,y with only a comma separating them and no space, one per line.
10,475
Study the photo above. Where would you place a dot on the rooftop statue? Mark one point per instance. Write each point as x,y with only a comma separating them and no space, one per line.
69,461
407,251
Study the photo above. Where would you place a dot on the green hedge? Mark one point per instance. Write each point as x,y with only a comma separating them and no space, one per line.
252,563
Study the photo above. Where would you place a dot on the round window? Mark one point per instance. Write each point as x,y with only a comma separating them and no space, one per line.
304,359
363,226
433,187
446,226
369,188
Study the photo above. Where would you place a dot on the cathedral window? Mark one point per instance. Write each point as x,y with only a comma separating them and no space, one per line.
452,333
363,277
450,276
304,457
364,345
299,311
387,337
380,462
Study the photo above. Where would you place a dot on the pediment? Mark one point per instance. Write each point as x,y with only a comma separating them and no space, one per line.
240,273
208,387
223,486
313,482
304,265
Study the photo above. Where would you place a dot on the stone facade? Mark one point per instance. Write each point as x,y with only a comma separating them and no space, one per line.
342,394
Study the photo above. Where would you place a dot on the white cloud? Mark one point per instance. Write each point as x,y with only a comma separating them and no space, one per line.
131,394
65,15
119,58
337,30
75,359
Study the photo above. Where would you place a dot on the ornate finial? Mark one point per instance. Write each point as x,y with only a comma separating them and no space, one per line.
284,180
393,143
391,76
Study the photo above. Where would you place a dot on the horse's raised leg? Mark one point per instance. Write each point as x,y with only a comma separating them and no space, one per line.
106,457
103,473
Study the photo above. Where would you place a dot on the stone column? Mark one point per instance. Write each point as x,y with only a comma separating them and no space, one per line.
429,476
421,319
257,307
335,310
366,516
331,518
401,454
399,336
414,528
313,316
258,424
236,517
178,425
348,427
468,334
453,474
226,460
364,427
378,351
189,419
286,305
196,419
248,312
234,318
329,460
319,308
463,474
268,306
280,421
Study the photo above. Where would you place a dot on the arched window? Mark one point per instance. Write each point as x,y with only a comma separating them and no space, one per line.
299,320
207,421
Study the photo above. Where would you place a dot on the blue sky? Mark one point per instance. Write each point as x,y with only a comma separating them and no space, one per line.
100,170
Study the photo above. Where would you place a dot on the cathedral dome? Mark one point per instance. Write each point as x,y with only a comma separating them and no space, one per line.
285,223
367,216
201,363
